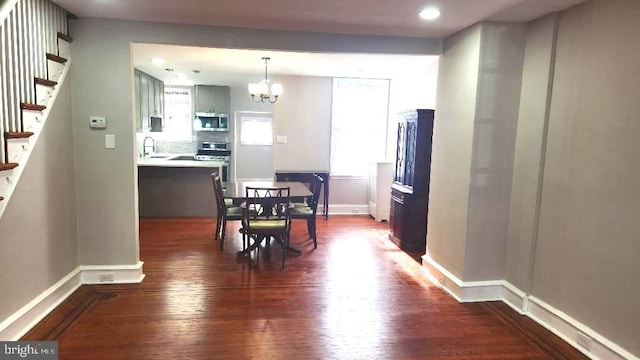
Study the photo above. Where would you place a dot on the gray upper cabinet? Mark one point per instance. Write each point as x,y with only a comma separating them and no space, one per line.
149,99
213,99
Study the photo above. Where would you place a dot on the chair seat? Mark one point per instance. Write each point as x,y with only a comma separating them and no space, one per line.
267,224
234,213
299,204
301,211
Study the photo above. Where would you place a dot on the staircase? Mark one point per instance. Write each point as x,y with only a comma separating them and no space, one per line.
34,57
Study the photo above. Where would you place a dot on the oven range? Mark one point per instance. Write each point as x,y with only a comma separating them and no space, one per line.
212,151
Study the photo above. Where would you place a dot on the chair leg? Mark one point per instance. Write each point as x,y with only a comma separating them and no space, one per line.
224,233
311,227
218,223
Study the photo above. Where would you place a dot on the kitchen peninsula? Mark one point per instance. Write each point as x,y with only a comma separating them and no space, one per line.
176,186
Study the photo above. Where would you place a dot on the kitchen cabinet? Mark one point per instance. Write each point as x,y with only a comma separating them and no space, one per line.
149,99
213,99
410,188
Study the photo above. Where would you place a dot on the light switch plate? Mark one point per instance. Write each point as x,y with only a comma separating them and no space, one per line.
97,122
281,139
109,141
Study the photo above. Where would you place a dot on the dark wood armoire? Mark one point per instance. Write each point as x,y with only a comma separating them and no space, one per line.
410,188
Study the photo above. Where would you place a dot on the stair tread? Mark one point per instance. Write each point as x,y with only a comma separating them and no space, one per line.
56,58
18,134
45,82
27,106
65,37
8,166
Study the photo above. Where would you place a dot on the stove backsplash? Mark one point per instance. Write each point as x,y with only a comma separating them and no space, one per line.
190,147
176,147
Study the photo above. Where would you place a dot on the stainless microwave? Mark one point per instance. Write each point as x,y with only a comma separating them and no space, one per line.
211,122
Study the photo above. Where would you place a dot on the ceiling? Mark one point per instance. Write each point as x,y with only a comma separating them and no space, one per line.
238,67
370,17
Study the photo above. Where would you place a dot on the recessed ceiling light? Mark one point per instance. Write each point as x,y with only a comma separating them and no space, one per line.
157,61
429,14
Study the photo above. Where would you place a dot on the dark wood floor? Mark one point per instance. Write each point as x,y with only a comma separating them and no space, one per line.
356,296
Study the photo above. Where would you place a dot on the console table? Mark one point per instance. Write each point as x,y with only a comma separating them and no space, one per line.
306,176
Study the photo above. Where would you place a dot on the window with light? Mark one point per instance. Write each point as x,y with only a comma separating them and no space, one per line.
358,125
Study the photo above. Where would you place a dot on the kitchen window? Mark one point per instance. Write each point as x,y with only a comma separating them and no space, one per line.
358,125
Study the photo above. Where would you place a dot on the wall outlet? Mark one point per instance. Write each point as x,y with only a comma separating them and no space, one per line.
106,277
584,341
355,211
441,279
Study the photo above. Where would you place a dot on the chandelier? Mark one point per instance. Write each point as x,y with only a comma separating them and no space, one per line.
264,91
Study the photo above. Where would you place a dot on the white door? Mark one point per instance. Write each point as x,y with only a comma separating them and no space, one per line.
253,146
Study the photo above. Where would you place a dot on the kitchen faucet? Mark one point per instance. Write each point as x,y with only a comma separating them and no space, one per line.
146,148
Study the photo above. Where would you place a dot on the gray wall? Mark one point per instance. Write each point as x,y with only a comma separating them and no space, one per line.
38,245
587,252
474,139
571,218
451,150
102,85
304,116
528,158
494,137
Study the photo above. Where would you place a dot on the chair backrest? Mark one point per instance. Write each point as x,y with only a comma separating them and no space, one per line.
316,186
219,194
267,203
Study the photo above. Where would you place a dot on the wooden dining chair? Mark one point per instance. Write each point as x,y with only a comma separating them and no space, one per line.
309,211
226,211
266,214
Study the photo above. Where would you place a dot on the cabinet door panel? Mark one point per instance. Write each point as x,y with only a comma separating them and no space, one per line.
160,98
138,91
144,102
222,99
205,98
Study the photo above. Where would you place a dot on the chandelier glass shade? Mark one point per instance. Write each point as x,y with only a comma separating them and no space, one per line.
265,91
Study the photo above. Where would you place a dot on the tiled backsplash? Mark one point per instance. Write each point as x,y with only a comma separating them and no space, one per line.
183,147
176,147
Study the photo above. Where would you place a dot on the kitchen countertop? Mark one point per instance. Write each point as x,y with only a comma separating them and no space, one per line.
165,160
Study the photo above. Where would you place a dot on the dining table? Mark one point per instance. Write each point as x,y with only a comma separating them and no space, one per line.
237,192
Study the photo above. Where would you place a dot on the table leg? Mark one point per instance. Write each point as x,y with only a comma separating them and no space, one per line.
325,207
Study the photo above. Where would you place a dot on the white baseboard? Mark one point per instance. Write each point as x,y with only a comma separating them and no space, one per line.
112,274
515,298
20,322
470,291
16,325
569,330
341,209
556,321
